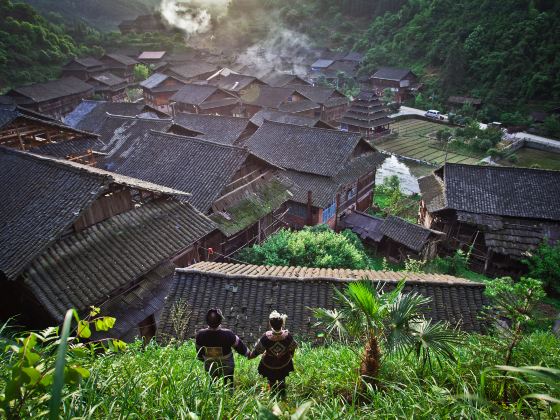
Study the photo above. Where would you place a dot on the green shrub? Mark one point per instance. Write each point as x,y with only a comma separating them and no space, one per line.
544,264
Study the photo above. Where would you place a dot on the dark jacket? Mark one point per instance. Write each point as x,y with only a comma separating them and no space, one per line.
217,344
278,349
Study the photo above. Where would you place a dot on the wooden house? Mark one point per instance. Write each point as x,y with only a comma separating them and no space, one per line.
393,237
24,130
158,89
295,291
265,97
402,82
503,213
366,115
236,83
275,79
192,71
331,171
242,193
152,57
75,236
203,99
288,118
83,68
55,98
333,103
216,128
120,65
109,87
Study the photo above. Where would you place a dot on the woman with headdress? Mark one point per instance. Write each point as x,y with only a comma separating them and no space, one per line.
278,347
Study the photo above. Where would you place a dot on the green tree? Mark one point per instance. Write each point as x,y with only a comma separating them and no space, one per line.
544,264
141,72
392,320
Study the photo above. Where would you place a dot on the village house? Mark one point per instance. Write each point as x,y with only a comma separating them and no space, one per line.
366,115
502,213
266,97
158,89
120,65
331,171
288,118
142,24
109,87
216,128
242,193
402,82
203,99
458,102
393,237
83,68
24,130
152,57
55,98
333,103
275,79
296,291
235,83
74,236
90,115
192,71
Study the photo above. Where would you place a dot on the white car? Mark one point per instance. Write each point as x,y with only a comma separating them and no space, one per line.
432,113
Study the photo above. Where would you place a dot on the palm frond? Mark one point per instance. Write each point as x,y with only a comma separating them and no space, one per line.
332,320
434,340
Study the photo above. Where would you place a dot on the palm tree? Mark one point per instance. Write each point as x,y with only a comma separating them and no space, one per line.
389,320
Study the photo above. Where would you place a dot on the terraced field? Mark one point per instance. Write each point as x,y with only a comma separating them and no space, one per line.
414,141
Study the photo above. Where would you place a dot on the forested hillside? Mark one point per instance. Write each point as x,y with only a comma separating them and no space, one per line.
506,52
33,49
102,14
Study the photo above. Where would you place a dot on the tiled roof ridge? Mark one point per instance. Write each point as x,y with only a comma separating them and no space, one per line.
54,123
346,133
201,140
136,117
229,270
107,176
499,168
210,116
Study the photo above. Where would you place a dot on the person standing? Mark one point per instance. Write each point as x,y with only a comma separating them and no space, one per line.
278,347
214,347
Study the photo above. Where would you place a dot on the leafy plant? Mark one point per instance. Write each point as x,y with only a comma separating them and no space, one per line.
544,264
392,319
513,304
42,362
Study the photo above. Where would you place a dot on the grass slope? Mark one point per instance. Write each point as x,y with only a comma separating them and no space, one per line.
168,382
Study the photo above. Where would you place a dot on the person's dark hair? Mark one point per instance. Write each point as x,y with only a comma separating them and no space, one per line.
214,318
276,323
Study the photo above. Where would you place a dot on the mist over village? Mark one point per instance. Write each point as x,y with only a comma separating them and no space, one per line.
279,209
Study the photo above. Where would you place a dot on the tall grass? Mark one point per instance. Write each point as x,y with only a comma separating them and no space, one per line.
168,382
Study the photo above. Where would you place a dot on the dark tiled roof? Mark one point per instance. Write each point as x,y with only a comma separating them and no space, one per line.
122,59
324,188
122,135
109,79
90,115
217,128
53,89
304,149
192,70
431,189
9,113
299,106
121,249
266,97
200,167
406,233
515,192
362,224
320,95
234,82
354,56
86,62
391,73
247,294
282,79
322,63
193,94
282,117
74,147
41,197
155,80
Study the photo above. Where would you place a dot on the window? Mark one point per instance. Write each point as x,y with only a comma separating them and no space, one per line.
329,212
351,193
298,210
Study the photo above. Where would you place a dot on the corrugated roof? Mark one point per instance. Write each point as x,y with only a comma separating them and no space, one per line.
247,294
151,55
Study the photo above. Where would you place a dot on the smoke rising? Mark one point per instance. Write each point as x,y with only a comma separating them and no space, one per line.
193,16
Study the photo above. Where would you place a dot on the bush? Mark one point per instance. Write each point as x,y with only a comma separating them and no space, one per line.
311,247
544,264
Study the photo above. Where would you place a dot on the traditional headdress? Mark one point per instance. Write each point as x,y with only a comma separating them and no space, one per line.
277,315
